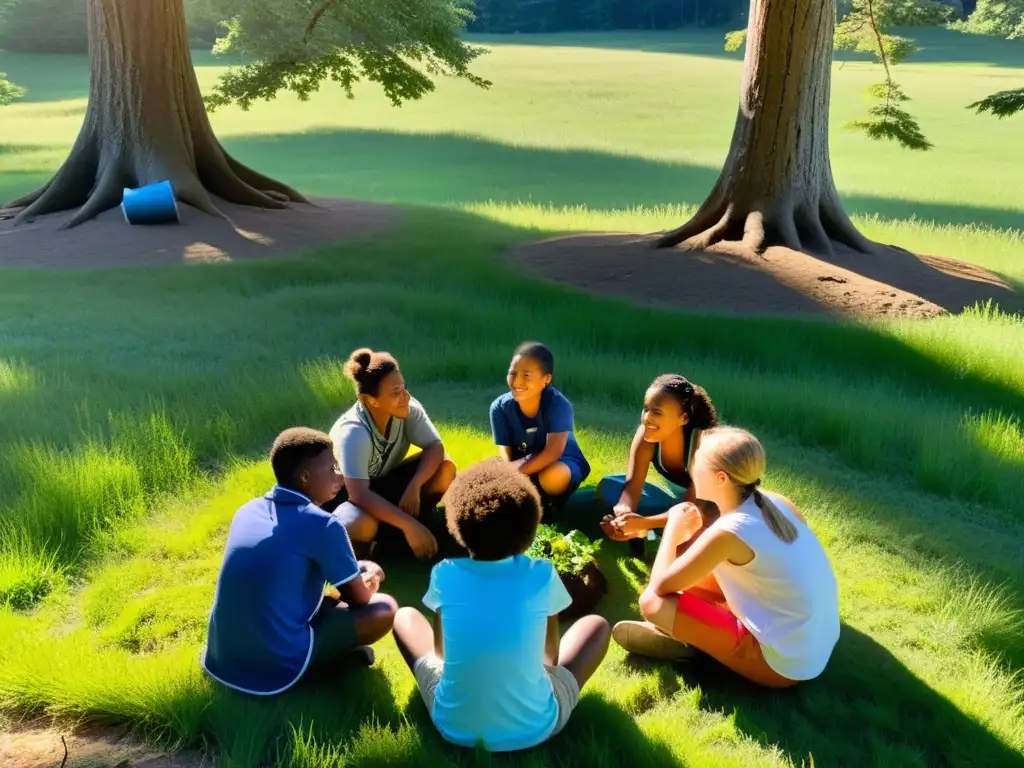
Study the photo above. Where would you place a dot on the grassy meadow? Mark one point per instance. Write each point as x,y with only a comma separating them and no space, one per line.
136,407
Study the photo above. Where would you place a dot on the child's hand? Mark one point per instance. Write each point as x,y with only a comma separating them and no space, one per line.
684,520
372,574
630,526
610,530
410,501
622,509
421,541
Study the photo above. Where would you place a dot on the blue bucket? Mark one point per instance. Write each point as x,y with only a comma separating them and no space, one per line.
152,204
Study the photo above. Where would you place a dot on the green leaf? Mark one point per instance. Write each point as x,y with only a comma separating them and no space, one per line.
297,45
9,91
735,40
1002,104
898,49
891,123
570,554
891,91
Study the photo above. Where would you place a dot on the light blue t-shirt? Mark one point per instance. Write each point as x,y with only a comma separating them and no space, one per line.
494,615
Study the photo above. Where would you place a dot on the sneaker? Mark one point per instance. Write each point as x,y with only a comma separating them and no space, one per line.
644,639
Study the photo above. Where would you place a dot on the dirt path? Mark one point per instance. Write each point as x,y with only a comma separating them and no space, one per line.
251,233
39,746
782,282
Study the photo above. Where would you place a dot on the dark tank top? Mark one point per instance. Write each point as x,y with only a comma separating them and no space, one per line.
680,478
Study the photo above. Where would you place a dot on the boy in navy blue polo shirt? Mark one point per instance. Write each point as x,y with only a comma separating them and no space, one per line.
532,425
271,623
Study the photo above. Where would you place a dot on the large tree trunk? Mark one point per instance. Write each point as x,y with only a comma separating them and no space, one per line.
146,122
776,187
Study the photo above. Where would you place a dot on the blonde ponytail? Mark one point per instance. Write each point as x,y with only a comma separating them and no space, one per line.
774,518
741,456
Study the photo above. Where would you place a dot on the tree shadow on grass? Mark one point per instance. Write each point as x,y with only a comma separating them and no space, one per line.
690,42
937,46
866,709
442,169
47,76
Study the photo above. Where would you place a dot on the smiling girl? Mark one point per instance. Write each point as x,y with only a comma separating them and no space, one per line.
675,413
383,484
532,425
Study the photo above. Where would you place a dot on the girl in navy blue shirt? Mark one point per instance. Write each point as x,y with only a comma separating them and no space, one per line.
532,425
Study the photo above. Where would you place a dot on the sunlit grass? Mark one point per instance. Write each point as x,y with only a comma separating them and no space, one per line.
930,423
140,619
136,408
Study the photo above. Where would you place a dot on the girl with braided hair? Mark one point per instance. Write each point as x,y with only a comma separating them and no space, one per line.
756,591
675,413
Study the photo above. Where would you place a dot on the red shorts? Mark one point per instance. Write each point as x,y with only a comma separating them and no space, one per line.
703,620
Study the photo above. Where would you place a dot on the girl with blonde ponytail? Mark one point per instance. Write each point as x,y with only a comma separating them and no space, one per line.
755,590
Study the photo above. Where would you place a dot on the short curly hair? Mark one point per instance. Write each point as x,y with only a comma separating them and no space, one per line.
293,448
493,510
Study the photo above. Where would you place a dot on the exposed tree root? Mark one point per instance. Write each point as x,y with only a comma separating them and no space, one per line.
92,186
146,123
807,228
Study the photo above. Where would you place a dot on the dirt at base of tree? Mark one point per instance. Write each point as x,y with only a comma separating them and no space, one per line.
251,233
39,746
894,283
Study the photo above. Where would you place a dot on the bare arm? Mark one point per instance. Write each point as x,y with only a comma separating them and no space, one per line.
359,493
506,452
554,447
355,593
640,455
551,641
438,635
430,462
672,574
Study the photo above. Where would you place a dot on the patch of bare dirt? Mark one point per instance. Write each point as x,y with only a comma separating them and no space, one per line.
40,746
248,233
781,282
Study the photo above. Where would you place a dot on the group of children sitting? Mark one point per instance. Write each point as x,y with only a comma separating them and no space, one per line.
738,573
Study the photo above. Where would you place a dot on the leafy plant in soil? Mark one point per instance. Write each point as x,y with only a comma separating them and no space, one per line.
575,559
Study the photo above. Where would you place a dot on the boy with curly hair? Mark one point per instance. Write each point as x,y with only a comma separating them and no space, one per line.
492,669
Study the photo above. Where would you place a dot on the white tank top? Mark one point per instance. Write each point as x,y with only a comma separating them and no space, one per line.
786,596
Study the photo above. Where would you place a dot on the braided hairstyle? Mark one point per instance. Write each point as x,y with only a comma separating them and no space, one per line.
693,399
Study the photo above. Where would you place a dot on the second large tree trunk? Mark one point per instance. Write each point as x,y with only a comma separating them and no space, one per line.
776,187
145,122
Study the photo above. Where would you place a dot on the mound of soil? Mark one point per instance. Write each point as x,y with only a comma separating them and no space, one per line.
248,233
779,282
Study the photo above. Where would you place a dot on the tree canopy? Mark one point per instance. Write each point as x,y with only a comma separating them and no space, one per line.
295,45
9,91
1003,18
